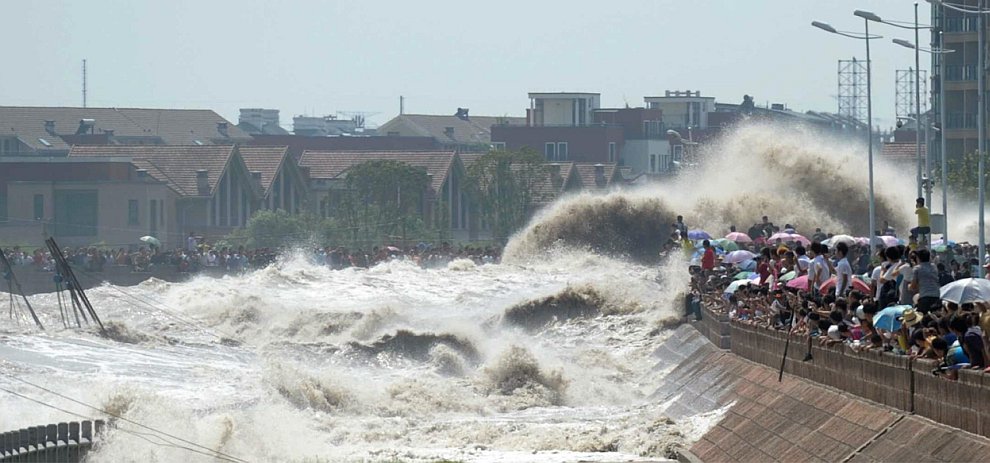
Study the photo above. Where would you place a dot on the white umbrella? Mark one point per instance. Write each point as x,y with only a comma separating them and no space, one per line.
731,289
850,241
736,257
966,290
151,240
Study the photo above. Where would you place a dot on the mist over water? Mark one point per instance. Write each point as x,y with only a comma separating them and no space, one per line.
550,352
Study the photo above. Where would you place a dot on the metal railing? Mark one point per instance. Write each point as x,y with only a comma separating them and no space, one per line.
961,24
958,72
62,442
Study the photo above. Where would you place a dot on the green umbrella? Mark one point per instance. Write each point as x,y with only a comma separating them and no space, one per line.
788,276
940,248
743,275
727,245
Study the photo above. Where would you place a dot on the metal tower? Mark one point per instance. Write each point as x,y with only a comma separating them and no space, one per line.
852,89
904,92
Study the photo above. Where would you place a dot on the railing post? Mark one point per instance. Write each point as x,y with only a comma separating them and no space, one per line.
73,441
62,444
51,442
22,444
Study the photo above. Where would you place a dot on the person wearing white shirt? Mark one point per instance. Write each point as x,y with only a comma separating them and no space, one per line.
843,271
803,262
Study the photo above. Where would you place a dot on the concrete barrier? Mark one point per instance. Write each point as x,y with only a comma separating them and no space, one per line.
715,327
62,442
893,380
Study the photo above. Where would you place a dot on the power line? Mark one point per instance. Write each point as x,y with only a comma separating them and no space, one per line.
213,453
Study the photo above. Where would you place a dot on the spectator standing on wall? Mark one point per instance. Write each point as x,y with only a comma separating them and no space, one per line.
843,271
926,283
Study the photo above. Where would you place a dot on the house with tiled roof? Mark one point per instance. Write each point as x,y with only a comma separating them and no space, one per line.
213,189
283,185
598,177
29,130
461,131
328,174
902,153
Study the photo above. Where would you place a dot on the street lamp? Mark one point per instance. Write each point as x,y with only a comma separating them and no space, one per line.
869,100
917,87
981,113
941,129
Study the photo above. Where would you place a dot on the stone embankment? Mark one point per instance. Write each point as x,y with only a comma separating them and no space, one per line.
839,406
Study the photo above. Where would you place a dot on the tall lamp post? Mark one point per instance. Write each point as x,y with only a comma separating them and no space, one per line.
941,130
869,103
980,113
917,90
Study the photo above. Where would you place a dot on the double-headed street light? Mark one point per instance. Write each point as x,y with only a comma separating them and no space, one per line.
917,88
941,129
869,100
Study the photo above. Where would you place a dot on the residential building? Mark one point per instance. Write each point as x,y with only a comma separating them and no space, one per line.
81,201
460,132
328,175
598,177
214,191
50,131
960,32
330,126
283,185
683,109
902,153
259,121
297,144
562,127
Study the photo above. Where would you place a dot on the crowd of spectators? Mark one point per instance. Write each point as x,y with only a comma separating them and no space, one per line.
842,294
200,257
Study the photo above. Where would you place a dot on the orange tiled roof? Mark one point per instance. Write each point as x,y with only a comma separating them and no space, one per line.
174,165
331,164
589,181
265,159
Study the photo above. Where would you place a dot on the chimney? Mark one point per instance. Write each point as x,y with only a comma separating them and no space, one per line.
600,174
50,127
222,128
85,126
462,113
202,182
256,177
555,177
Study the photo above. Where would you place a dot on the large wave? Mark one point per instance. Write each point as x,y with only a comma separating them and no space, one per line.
792,174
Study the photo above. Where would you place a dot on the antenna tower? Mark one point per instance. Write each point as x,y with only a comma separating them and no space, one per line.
852,89
904,92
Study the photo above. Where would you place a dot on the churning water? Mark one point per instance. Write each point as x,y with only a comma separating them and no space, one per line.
546,357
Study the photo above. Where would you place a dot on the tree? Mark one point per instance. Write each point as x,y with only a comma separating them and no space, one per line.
383,198
963,175
504,184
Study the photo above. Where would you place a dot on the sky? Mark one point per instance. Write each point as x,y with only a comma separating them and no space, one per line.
320,57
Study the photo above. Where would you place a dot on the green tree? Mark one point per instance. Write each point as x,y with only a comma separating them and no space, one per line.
962,175
505,184
383,198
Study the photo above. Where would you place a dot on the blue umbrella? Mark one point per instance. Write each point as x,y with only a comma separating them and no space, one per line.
887,318
699,235
747,265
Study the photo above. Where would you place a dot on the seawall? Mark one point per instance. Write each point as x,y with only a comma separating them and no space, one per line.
839,406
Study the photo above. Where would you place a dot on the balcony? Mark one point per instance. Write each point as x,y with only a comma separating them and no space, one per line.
960,120
962,24
956,72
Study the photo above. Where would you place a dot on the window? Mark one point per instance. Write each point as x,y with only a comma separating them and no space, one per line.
562,150
498,146
39,207
132,212
653,163
76,212
678,152
611,151
550,151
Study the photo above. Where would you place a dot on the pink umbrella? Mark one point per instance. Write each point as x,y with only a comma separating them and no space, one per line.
736,257
827,286
889,241
739,237
785,237
800,282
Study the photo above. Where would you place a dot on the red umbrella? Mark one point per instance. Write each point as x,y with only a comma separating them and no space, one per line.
829,284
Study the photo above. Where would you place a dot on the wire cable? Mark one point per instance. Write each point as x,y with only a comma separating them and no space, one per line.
214,453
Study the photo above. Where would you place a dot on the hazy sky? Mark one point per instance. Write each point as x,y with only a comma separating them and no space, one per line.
318,57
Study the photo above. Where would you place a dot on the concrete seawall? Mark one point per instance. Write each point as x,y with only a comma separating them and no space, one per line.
840,406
